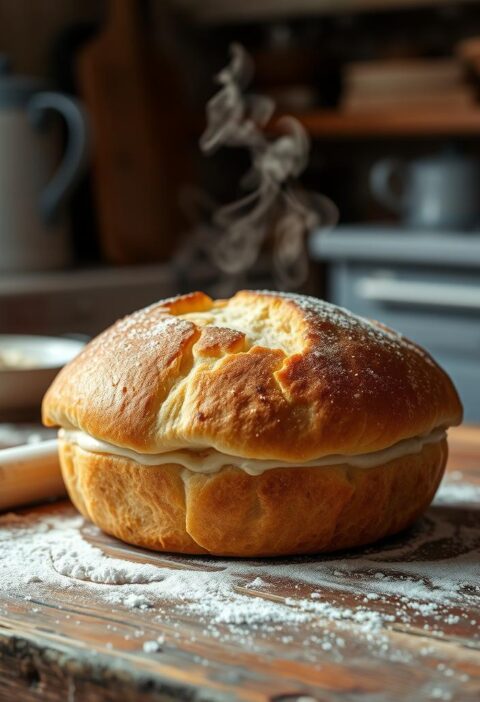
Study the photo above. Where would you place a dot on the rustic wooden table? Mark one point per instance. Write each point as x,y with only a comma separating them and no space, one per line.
399,621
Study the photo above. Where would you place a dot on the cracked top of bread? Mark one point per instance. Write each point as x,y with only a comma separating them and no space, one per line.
263,375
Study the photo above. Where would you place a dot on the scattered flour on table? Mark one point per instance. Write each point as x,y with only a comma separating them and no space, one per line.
453,491
399,583
154,646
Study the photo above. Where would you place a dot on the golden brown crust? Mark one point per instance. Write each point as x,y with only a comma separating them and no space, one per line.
282,377
283,511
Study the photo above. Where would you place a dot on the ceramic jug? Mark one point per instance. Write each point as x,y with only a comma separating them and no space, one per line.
436,193
36,181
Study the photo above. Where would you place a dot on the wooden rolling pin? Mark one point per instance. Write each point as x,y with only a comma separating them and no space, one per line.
30,473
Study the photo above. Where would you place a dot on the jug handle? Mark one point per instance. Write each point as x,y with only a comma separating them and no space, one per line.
59,188
381,183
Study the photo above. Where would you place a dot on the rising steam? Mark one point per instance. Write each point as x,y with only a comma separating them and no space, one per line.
275,203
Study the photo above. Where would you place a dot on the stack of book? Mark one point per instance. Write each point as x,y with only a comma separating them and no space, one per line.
407,84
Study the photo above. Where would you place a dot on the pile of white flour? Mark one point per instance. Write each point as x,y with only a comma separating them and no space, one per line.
395,585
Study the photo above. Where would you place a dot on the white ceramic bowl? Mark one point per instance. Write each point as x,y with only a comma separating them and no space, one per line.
39,359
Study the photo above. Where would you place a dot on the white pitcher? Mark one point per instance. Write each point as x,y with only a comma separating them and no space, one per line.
35,184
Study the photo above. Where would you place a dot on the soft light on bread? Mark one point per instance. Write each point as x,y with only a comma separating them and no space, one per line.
263,376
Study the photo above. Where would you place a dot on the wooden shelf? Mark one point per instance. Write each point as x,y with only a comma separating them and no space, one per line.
425,122
86,279
232,11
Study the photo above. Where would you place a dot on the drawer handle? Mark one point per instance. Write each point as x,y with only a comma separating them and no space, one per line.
418,294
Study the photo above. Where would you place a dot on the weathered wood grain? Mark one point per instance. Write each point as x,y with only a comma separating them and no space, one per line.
63,646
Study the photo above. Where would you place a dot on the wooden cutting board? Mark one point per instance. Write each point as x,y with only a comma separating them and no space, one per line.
64,645
138,139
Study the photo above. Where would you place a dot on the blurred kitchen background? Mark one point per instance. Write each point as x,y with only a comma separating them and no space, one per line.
107,201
